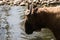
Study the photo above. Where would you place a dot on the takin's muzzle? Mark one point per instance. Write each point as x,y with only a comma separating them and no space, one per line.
28,28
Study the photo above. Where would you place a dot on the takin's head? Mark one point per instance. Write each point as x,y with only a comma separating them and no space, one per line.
34,21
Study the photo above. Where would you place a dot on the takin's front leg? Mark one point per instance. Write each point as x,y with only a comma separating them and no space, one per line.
57,34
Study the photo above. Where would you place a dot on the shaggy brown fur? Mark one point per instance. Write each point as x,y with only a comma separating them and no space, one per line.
47,17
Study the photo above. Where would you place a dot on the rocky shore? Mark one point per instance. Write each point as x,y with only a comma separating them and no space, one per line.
25,2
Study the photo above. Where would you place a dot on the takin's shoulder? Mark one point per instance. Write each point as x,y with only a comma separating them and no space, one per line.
49,9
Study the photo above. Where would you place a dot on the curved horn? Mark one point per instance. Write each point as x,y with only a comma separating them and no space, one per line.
30,7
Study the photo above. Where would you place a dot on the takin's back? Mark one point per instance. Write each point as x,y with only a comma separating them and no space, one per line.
51,16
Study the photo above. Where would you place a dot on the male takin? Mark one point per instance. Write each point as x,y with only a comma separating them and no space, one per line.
46,17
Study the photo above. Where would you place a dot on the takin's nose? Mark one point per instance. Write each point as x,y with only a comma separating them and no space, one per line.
28,29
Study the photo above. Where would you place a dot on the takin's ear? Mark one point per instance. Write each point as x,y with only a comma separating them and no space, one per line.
28,28
35,10
27,12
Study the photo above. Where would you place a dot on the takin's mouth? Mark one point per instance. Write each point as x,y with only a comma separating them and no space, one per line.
29,32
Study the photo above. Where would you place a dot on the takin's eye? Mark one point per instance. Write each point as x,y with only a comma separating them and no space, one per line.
28,28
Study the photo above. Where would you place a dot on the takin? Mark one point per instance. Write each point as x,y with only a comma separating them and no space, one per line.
46,17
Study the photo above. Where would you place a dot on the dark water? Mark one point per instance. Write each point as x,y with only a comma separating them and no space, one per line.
12,25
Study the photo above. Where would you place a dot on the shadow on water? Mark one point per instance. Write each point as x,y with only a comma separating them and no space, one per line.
12,25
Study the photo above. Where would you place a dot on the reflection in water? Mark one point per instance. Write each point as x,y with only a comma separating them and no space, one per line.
12,22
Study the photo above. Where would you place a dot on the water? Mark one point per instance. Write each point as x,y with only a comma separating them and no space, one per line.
12,25
11,29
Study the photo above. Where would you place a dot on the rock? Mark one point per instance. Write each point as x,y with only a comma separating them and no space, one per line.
23,4
1,2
